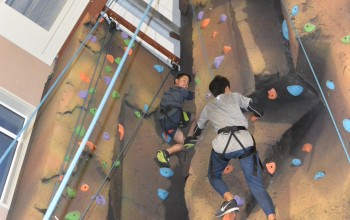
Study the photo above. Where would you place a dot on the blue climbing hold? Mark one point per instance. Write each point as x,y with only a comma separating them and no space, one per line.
158,68
295,90
330,84
296,162
346,124
166,172
285,30
319,175
295,11
145,108
162,194
166,137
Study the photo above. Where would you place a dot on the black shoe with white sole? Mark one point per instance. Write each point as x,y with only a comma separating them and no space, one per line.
227,207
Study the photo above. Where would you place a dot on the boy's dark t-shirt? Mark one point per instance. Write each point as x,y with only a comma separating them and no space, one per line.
171,106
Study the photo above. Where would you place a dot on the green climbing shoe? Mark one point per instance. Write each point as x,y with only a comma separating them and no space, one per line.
162,158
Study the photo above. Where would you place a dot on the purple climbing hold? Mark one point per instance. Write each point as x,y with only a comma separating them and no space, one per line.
239,200
83,94
208,95
100,200
217,61
93,38
107,80
106,135
200,15
124,35
223,18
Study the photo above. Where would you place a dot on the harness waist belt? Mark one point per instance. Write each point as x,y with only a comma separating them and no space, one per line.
231,128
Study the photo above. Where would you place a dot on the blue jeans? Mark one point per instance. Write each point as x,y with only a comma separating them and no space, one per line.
217,166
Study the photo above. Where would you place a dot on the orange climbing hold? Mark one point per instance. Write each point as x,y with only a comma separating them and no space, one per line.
91,146
110,58
121,131
227,49
214,34
307,148
205,23
253,118
228,169
272,94
85,188
130,51
84,77
271,167
60,178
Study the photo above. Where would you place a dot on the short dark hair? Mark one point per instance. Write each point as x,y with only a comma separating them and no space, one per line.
218,84
181,75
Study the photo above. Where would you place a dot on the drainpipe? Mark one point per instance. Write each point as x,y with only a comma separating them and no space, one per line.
63,184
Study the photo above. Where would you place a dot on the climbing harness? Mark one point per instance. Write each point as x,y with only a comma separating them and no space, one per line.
247,153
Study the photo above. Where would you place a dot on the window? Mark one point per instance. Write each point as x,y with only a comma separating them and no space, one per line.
39,27
10,124
41,12
14,114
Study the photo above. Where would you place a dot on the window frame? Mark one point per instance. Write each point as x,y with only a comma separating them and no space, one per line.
23,109
34,39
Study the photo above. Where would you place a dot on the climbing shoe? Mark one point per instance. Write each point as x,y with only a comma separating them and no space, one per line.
162,158
190,142
227,207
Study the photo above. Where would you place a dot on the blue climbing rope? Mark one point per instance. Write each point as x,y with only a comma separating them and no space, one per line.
317,81
94,120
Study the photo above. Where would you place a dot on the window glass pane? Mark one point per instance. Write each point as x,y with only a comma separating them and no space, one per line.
5,142
10,120
42,12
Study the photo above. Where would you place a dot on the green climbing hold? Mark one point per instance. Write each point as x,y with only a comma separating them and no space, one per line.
308,27
137,114
104,165
71,192
115,95
197,80
66,158
108,69
75,215
346,39
80,130
116,163
93,111
127,42
118,60
92,90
